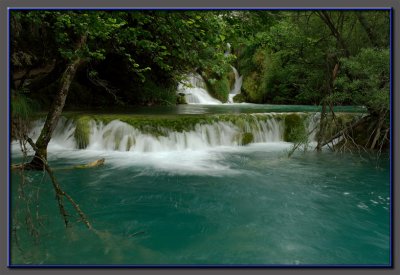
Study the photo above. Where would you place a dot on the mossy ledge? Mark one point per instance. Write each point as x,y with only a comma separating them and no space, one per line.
82,132
162,125
295,129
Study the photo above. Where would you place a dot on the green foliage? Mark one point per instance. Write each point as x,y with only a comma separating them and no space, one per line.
254,84
218,88
155,94
285,57
150,45
22,107
22,114
287,62
365,78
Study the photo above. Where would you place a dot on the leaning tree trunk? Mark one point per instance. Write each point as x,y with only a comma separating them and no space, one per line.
368,29
327,91
55,111
328,20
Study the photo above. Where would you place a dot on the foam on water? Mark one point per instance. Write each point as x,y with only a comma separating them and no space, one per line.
199,151
194,89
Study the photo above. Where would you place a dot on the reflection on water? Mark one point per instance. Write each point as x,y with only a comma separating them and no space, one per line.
230,108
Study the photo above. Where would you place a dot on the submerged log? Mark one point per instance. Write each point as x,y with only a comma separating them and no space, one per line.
92,164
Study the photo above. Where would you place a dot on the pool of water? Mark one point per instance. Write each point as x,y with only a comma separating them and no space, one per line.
243,205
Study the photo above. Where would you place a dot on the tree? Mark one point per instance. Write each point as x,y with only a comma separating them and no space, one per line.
167,44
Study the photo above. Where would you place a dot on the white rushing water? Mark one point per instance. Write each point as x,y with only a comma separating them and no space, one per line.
195,91
202,150
120,136
237,86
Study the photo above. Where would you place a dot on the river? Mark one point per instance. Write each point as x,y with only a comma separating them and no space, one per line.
199,197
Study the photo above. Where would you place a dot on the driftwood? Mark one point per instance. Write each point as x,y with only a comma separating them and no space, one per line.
92,164
344,131
60,194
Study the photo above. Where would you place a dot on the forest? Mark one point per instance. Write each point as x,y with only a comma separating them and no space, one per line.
88,82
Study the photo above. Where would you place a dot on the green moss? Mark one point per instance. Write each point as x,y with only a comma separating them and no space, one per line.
82,132
251,86
247,138
231,79
117,138
180,99
239,98
218,88
157,125
295,130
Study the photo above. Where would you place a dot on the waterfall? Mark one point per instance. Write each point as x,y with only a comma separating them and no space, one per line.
237,86
217,131
194,89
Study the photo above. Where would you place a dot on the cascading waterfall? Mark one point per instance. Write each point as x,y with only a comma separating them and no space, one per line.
238,79
194,89
120,136
237,86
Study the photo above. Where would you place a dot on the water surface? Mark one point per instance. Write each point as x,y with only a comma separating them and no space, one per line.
243,205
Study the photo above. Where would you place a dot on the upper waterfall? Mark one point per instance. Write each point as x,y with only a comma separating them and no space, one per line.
195,91
237,86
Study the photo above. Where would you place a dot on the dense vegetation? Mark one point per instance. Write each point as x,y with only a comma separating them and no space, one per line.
113,60
96,59
138,57
128,58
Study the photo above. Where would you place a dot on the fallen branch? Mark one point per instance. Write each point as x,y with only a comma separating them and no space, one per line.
344,131
60,193
92,164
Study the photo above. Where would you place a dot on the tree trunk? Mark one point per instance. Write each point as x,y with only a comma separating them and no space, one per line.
55,111
324,15
367,27
378,130
322,127
331,76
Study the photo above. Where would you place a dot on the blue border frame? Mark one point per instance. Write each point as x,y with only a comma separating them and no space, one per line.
8,144
194,8
391,137
391,225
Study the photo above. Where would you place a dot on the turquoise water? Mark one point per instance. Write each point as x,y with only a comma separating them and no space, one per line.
226,108
243,205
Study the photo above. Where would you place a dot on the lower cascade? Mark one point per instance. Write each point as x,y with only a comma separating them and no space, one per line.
215,131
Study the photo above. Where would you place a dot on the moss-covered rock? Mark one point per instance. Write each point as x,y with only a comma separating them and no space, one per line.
295,130
180,99
231,79
239,98
218,88
247,138
82,132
